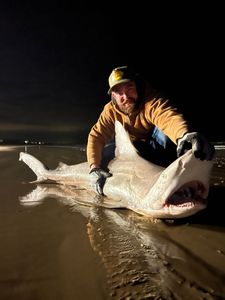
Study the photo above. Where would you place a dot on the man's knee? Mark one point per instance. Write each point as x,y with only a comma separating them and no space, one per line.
160,137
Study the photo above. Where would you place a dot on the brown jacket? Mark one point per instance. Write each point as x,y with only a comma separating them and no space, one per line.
153,111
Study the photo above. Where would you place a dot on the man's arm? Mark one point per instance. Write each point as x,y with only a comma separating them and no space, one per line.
99,135
102,131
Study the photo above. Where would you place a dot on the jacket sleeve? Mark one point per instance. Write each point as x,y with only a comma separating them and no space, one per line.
101,133
167,118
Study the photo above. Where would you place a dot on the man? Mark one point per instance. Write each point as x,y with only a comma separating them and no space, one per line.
158,131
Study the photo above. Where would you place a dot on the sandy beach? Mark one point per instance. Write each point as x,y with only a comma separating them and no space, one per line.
55,248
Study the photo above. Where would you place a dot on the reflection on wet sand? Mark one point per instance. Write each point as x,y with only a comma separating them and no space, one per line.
142,259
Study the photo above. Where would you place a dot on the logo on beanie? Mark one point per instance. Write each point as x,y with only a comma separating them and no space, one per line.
117,75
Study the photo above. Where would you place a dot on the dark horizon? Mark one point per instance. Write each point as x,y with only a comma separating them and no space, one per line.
55,62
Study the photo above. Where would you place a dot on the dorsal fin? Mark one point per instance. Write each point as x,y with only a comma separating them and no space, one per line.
124,146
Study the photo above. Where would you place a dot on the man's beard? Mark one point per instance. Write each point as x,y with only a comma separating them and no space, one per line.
130,108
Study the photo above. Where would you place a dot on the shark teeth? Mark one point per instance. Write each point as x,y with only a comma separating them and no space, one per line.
188,195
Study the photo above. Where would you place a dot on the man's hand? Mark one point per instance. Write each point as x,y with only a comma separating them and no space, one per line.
101,177
201,148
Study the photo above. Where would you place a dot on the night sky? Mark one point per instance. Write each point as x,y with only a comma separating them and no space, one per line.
55,60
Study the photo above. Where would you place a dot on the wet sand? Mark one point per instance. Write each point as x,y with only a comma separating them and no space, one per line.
55,248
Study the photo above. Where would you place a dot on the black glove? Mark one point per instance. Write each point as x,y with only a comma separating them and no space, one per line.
101,176
200,146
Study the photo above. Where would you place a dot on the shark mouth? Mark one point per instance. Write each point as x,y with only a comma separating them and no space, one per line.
188,195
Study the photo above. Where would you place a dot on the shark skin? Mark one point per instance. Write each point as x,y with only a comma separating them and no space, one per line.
178,191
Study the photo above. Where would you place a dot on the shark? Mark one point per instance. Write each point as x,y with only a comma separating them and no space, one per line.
177,191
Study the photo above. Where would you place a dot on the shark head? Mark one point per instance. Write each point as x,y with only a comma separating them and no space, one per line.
181,189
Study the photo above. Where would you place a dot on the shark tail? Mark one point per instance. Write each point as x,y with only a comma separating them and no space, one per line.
35,165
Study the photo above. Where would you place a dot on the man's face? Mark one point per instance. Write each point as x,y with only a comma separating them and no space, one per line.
125,95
